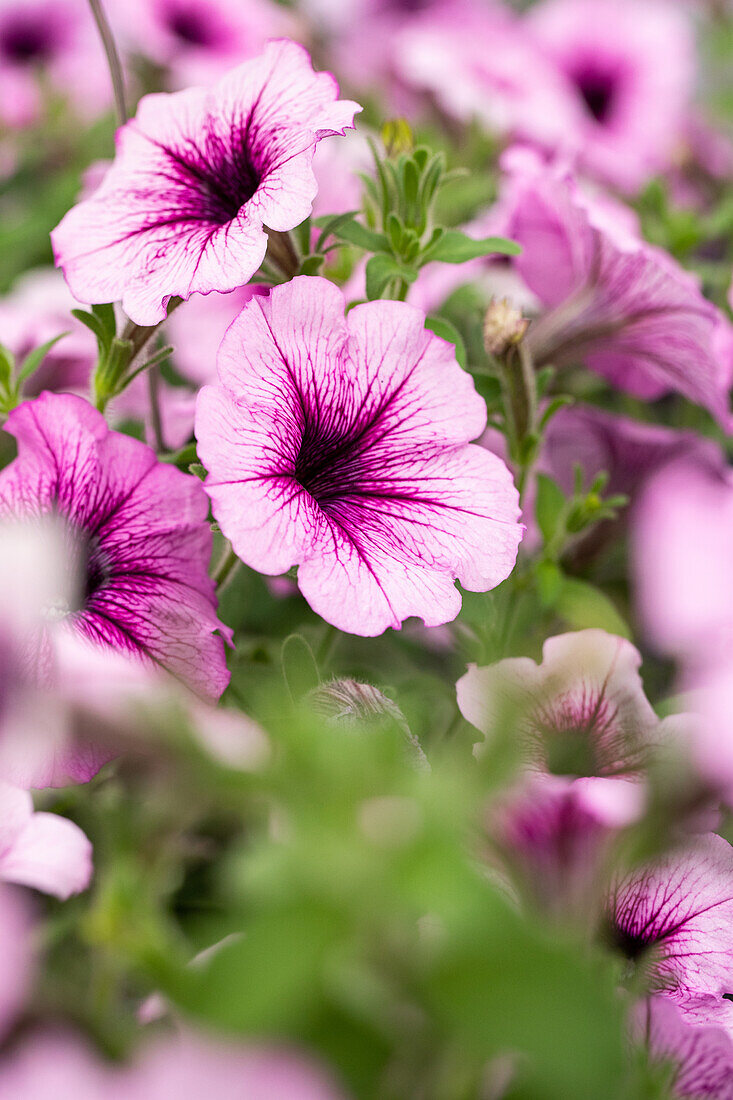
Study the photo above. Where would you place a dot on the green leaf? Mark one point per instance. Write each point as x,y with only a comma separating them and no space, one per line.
299,666
7,366
311,265
455,247
330,222
448,332
381,270
549,582
34,358
560,402
356,233
106,314
583,606
96,325
549,506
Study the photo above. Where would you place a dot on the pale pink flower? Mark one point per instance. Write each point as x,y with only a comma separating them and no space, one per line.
582,711
38,309
702,1055
17,955
481,63
630,64
198,176
342,446
197,330
42,850
185,1067
198,40
52,43
683,542
676,915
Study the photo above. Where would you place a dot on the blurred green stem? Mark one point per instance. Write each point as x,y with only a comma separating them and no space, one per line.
113,59
156,420
225,568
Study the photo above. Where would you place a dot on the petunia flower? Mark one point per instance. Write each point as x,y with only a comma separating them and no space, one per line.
183,1066
137,529
504,78
49,44
699,1057
42,850
582,711
621,307
681,551
555,837
197,177
675,917
39,308
630,65
196,40
683,539
17,955
342,446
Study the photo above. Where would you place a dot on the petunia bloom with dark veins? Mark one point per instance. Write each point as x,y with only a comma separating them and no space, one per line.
629,67
197,177
137,529
342,446
675,916
49,45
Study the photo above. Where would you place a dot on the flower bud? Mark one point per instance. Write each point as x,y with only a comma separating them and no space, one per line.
350,704
504,326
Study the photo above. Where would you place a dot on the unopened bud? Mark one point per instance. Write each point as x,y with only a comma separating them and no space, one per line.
350,704
504,326
397,137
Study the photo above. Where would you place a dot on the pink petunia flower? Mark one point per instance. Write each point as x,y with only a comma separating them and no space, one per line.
701,1056
198,40
45,851
503,79
676,916
630,64
39,308
614,303
197,331
682,545
17,955
137,529
198,176
582,711
555,836
631,452
342,446
51,43
185,1067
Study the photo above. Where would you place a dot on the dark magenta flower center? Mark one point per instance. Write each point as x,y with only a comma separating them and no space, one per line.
335,464
598,89
217,180
192,26
26,40
632,945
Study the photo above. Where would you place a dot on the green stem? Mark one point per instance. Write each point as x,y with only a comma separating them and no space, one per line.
113,59
282,253
225,568
326,648
156,419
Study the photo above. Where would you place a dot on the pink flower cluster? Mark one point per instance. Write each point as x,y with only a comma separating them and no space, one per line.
589,735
